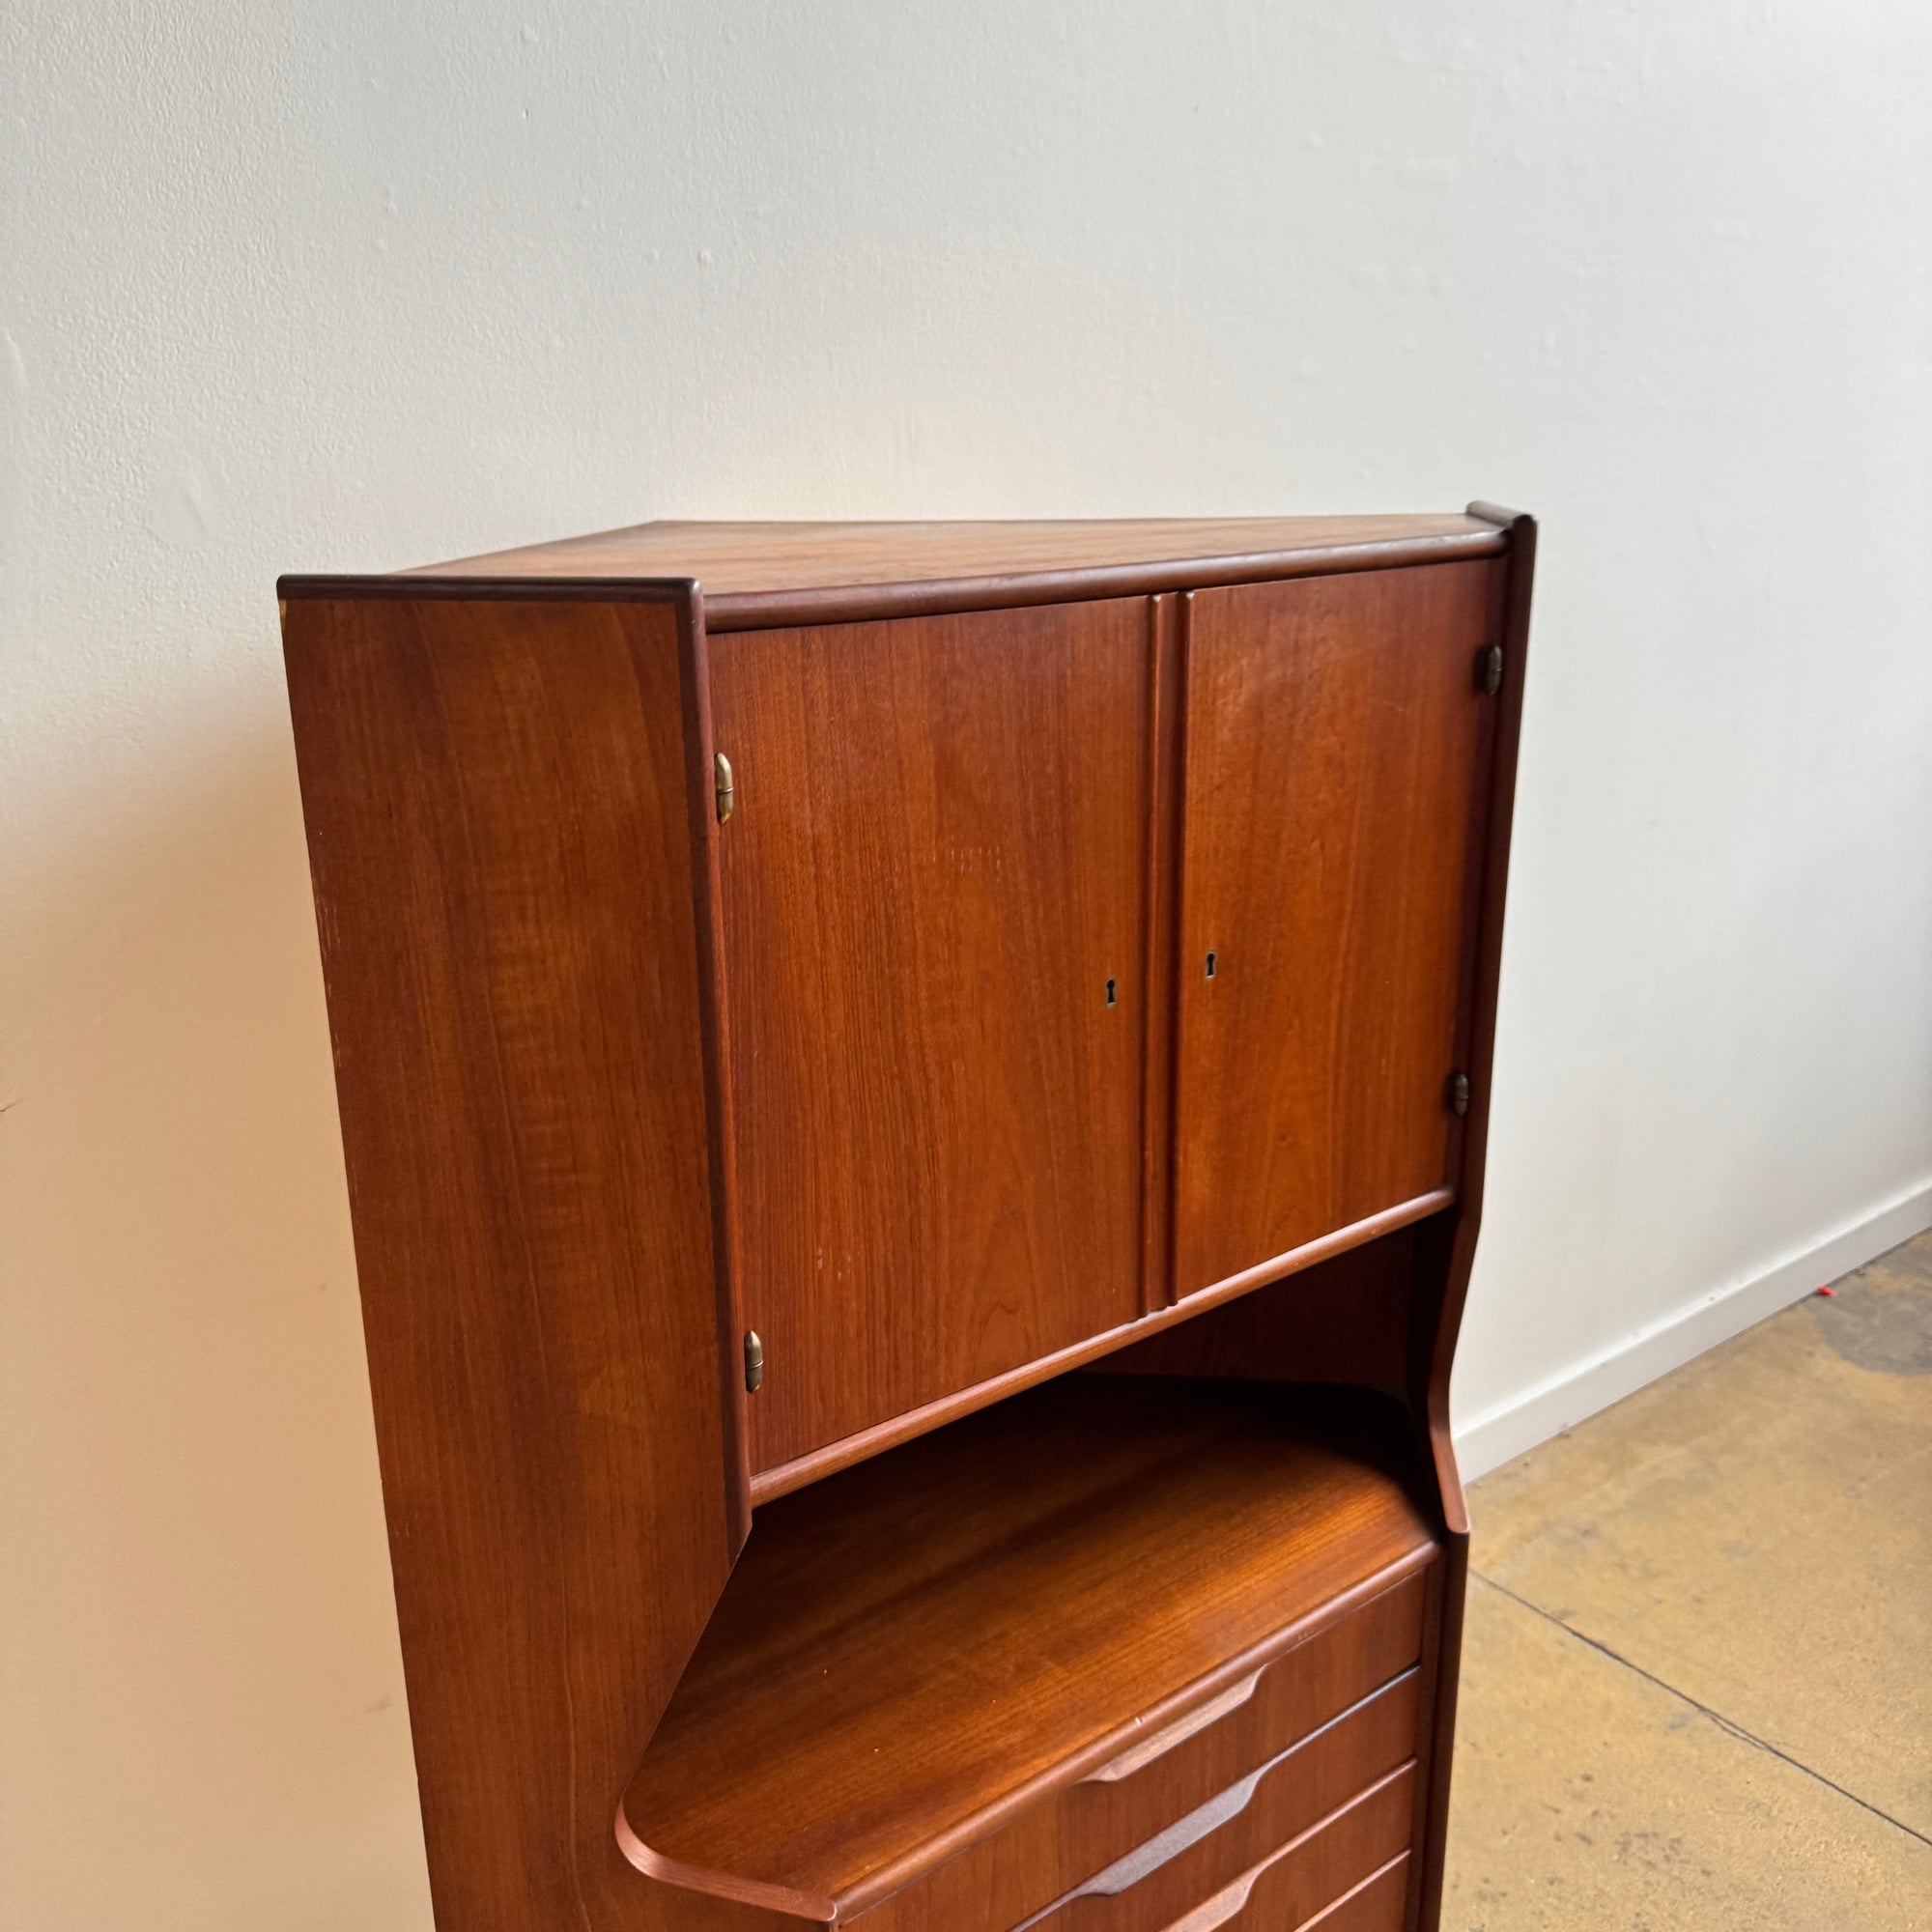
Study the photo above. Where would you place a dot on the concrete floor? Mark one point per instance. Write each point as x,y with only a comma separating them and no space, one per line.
1697,1667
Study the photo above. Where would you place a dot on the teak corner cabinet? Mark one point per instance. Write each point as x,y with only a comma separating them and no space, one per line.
914,1098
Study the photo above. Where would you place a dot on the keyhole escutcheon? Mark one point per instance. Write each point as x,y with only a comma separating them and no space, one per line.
1210,965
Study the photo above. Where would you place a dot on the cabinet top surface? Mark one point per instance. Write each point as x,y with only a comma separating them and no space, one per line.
741,557
773,572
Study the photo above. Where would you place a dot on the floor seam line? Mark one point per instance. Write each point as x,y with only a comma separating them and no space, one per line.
1717,1718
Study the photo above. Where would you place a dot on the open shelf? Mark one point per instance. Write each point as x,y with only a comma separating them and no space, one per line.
913,1651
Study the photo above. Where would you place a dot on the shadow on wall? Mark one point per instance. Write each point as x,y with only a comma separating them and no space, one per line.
207,1649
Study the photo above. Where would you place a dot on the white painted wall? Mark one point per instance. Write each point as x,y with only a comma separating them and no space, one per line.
353,285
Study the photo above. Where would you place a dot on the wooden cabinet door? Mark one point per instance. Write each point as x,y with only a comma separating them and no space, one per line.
933,881
1335,731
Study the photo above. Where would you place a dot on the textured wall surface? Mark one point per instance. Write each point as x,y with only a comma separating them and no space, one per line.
352,286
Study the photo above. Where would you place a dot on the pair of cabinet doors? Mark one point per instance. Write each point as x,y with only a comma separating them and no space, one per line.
1080,957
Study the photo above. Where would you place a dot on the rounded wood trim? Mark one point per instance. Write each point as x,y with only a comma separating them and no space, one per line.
771,609
757,610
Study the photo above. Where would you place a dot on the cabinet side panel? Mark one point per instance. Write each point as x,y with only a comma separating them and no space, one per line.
1333,734
1447,1254
934,883
495,797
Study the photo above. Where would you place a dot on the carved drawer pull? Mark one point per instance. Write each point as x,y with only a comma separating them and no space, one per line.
1137,1757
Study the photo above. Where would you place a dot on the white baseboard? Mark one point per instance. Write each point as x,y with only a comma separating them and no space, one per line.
1508,1427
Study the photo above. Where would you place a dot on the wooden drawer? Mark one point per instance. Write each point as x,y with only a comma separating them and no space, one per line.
1268,1898
1341,1802
1375,1905
1084,1828
948,1686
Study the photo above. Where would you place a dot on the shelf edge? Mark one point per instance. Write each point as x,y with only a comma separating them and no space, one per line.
784,1477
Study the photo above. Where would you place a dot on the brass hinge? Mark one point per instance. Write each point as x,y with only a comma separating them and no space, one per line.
755,1362
1489,669
1459,1094
721,775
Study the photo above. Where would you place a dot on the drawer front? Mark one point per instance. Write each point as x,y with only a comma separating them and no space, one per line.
1268,1898
1082,1829
1375,1905
1341,1803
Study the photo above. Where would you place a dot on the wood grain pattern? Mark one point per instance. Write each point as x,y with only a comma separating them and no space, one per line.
1259,1900
1442,1588
813,1467
935,869
1321,1856
733,557
1168,616
910,1652
1375,1905
1065,1836
760,576
615,1080
714,1023
1444,1279
1347,1319
496,812
1333,728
